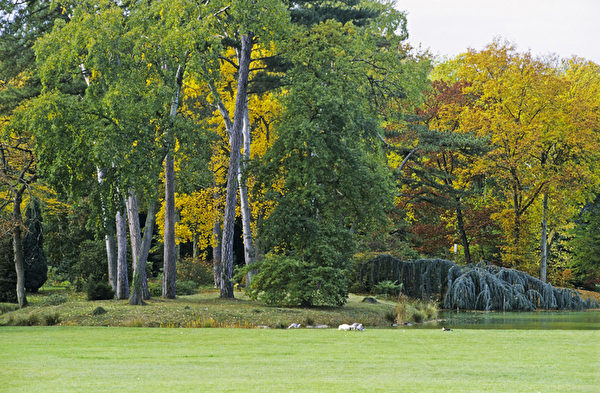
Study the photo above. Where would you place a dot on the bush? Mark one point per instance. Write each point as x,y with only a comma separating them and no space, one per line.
198,271
99,291
388,288
186,288
51,319
155,287
282,280
54,299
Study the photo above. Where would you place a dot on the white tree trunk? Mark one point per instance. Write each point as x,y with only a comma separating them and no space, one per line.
122,280
244,202
234,161
139,248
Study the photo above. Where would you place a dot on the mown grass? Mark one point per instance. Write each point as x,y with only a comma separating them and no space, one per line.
200,310
95,359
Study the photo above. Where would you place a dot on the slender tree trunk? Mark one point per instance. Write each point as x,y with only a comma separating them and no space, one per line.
195,250
234,161
244,202
147,240
18,247
170,256
140,248
544,239
463,232
122,280
217,244
516,226
109,238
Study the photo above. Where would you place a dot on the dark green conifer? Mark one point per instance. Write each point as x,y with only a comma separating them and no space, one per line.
8,275
36,267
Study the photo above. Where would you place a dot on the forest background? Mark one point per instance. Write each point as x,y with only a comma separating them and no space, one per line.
286,139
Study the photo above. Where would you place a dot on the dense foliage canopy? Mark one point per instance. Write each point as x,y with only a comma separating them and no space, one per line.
282,139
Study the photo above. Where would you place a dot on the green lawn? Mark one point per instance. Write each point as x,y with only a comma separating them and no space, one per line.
97,359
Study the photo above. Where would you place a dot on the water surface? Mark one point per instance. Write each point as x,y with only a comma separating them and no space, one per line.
536,320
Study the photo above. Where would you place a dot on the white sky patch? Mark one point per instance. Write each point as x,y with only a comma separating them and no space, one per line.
450,27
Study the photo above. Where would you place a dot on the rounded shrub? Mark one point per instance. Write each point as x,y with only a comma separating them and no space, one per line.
99,291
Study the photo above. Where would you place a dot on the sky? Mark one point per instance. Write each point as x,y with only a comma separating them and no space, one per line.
450,27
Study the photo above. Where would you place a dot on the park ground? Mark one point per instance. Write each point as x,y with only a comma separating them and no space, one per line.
103,359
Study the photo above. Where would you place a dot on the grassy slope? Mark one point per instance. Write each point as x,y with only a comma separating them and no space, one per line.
68,359
201,310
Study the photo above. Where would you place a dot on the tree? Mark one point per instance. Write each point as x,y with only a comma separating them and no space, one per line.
21,23
247,26
17,173
36,267
519,103
326,170
8,275
585,245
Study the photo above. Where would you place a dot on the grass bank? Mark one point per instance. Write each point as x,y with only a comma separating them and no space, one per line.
69,359
201,310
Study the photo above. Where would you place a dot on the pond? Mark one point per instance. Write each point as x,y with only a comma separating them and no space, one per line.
536,320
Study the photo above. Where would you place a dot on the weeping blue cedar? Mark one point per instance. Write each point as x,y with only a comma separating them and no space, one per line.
473,287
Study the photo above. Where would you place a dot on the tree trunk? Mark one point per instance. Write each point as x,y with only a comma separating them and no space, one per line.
109,238
217,236
234,161
18,247
544,239
463,232
122,281
170,256
244,203
195,250
140,248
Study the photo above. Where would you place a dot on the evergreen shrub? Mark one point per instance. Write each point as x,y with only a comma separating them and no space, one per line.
99,290
8,276
283,280
36,266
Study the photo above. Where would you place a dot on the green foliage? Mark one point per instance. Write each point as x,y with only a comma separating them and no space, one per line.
54,300
8,275
99,290
198,271
472,287
186,288
408,311
282,280
36,267
387,288
155,287
586,246
335,184
8,307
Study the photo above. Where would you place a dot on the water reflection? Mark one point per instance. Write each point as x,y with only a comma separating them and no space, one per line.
540,320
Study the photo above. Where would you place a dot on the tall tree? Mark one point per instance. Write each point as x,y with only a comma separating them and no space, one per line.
21,23
326,169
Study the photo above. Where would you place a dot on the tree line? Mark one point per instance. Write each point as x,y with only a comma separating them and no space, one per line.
309,129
